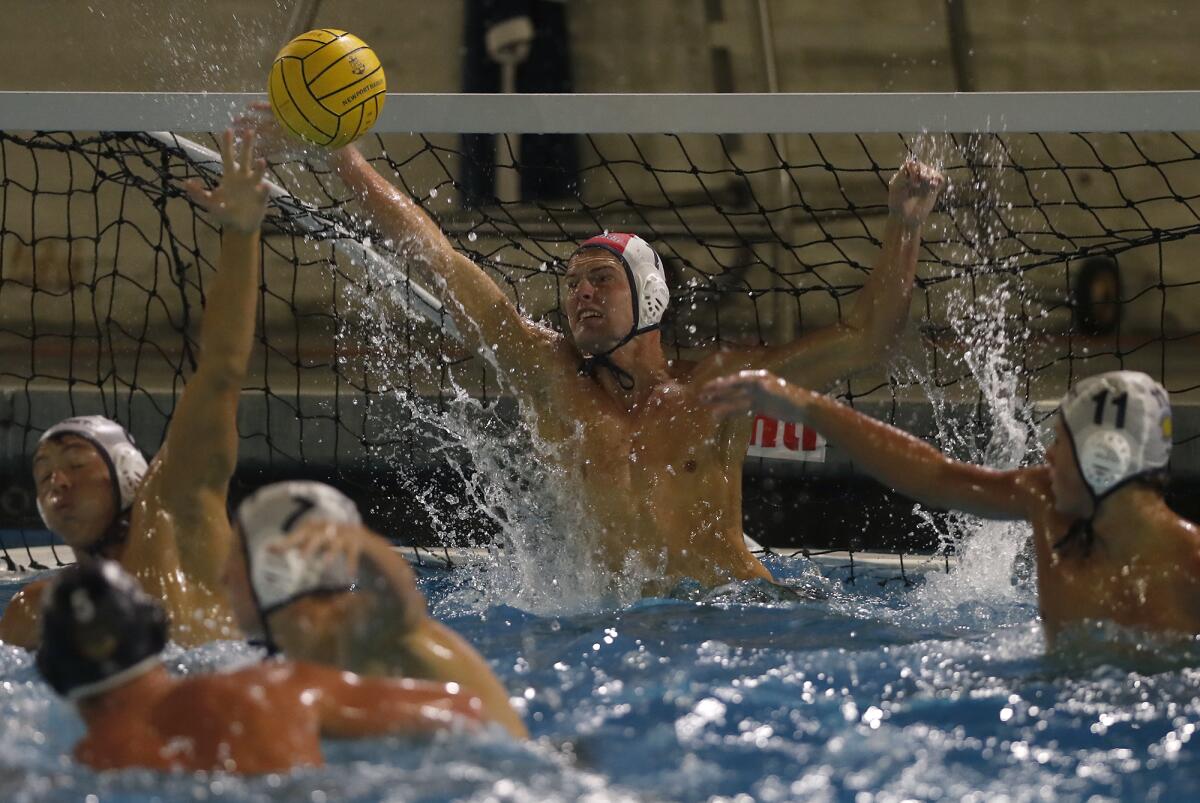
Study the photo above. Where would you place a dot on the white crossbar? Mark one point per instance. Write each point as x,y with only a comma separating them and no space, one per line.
897,112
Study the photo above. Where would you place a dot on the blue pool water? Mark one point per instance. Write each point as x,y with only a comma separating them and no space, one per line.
938,691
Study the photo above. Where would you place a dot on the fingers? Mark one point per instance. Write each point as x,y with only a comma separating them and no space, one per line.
731,409
254,114
246,155
916,181
732,404
739,382
718,389
197,192
730,395
227,165
916,169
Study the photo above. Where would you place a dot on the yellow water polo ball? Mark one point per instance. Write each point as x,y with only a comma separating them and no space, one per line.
327,87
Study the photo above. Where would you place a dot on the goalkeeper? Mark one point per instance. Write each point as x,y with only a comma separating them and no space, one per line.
651,471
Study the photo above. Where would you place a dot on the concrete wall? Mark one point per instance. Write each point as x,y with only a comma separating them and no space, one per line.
852,45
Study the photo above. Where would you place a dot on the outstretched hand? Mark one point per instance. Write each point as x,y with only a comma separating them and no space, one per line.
239,202
755,391
914,190
273,141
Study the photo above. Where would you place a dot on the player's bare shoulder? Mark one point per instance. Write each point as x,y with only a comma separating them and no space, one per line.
1187,535
686,372
713,365
558,365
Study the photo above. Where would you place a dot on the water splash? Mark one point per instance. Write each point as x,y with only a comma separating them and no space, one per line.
541,555
1001,433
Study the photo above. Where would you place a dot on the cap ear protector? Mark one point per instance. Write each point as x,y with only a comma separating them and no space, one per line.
126,464
1119,425
280,577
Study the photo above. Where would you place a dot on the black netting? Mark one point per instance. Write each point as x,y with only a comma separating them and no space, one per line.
1051,257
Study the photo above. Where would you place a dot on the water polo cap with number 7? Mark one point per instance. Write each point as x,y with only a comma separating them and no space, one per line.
265,519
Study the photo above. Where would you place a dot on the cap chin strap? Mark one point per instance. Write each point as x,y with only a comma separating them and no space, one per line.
1082,531
114,680
264,643
590,364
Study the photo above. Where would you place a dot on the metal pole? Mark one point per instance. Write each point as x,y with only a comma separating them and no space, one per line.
304,14
784,318
960,45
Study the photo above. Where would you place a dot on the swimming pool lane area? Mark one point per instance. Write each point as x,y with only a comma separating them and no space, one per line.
880,691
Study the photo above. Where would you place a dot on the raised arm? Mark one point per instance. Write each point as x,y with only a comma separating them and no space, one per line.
351,706
190,479
486,317
872,326
418,644
890,455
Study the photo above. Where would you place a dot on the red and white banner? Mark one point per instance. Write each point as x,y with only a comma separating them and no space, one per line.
784,440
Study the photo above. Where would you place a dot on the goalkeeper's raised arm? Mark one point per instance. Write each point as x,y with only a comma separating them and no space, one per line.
483,314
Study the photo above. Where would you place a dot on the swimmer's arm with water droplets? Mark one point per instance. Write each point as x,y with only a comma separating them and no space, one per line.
351,706
485,316
200,451
890,455
871,328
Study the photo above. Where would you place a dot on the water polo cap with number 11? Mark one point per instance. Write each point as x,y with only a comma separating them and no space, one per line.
1119,424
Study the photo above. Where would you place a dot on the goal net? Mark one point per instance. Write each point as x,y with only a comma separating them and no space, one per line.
1052,255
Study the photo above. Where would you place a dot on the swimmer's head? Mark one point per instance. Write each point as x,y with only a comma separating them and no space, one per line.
1113,428
87,471
263,579
99,630
616,290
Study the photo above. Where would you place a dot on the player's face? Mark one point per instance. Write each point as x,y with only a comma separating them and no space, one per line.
1071,496
237,584
598,301
75,490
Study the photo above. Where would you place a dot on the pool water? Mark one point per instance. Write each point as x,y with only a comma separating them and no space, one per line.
879,692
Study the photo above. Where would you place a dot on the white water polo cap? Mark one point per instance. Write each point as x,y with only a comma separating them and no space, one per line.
1119,424
643,268
265,518
126,463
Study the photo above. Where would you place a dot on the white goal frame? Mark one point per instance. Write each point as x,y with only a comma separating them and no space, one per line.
752,113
